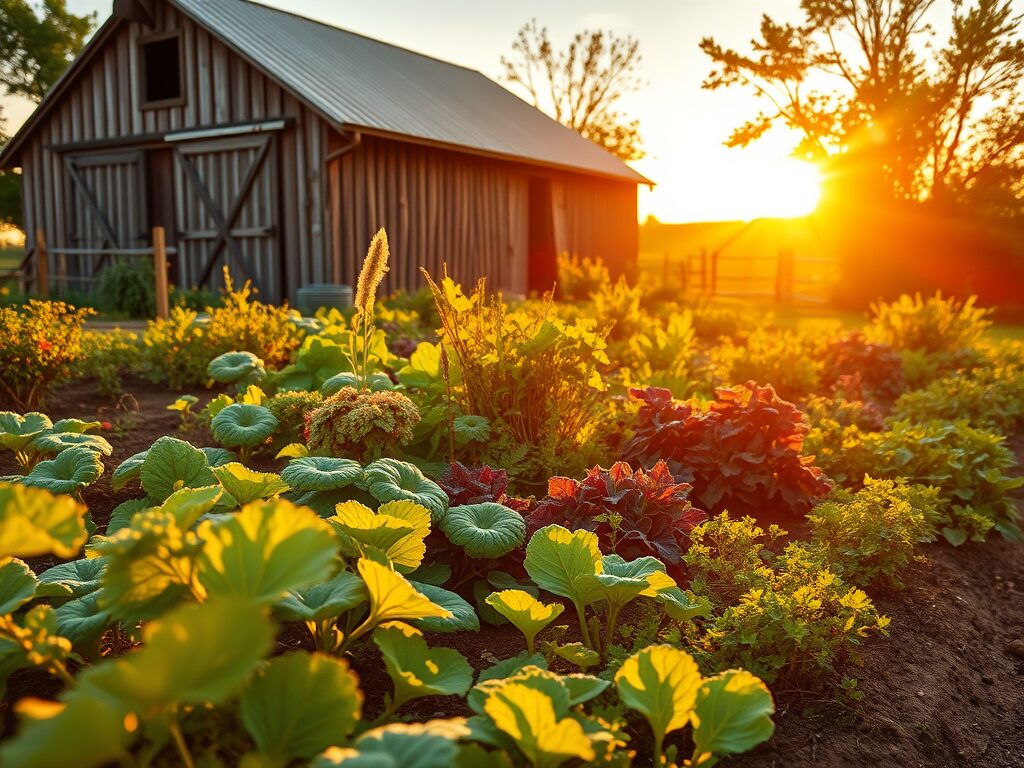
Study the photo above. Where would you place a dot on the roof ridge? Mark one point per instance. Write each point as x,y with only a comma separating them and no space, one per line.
364,36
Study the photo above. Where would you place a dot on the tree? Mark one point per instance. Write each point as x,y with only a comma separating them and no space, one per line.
874,94
37,43
580,86
10,188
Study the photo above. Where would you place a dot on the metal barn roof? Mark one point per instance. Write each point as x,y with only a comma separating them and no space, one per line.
358,82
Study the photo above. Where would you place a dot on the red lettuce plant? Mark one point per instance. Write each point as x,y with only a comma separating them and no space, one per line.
634,513
879,365
465,485
743,454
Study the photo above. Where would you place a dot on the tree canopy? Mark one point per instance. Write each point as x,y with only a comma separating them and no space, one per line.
581,85
887,103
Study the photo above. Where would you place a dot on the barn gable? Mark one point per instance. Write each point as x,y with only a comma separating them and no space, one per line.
208,117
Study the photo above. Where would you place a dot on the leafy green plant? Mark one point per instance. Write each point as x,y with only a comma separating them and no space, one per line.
933,325
290,410
393,480
243,426
579,278
730,712
396,530
528,614
486,531
790,361
534,378
241,368
990,398
178,349
128,287
360,424
872,535
40,348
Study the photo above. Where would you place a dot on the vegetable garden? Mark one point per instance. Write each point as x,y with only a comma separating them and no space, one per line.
452,528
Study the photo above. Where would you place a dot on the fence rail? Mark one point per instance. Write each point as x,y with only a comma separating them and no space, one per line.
38,257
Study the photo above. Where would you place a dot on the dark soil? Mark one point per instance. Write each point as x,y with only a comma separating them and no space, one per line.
946,689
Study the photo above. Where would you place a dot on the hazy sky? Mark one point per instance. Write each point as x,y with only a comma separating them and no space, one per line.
682,125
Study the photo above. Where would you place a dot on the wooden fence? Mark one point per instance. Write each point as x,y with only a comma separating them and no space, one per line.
36,272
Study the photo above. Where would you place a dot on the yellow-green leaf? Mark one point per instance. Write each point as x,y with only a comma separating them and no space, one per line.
661,682
733,713
528,717
245,485
392,597
417,670
265,550
527,613
35,522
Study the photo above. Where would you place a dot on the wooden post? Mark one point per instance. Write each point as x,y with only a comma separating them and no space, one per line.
42,266
163,309
714,273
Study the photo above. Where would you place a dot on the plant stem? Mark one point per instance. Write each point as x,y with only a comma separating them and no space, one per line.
583,624
659,756
179,743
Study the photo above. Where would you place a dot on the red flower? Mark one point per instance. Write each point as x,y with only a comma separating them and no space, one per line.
106,425
44,345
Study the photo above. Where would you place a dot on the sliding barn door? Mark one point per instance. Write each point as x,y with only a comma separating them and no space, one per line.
106,209
227,213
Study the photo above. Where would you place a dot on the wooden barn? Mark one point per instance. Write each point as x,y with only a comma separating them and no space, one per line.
278,145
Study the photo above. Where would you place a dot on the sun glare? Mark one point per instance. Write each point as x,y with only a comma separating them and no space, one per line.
774,188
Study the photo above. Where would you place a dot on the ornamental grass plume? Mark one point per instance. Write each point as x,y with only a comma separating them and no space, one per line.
375,266
361,425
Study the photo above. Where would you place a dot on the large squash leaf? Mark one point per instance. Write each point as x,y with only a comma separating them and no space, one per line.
300,704
528,716
17,431
527,613
323,601
171,464
128,470
83,732
733,713
243,425
263,551
487,530
398,530
34,522
68,472
50,443
660,682
417,670
321,473
236,368
17,585
393,480
233,637
245,485
81,577
463,618
392,597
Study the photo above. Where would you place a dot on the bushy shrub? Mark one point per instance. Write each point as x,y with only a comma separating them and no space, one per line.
968,465
579,278
290,409
714,320
846,407
797,620
932,325
179,349
728,556
790,361
533,377
744,453
40,345
108,356
987,398
634,513
616,308
871,535
477,485
361,425
878,366
128,287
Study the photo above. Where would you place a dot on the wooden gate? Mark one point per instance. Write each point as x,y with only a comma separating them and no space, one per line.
106,209
227,212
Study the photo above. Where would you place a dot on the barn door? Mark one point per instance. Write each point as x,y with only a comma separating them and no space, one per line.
106,209
227,212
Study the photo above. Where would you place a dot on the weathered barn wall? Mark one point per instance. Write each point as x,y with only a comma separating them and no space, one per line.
101,109
471,213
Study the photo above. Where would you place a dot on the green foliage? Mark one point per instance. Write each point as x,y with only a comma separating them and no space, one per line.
361,425
290,409
108,357
68,472
579,278
933,325
789,361
38,44
393,480
534,378
244,426
968,465
179,349
990,398
797,618
241,368
34,522
528,614
873,535
40,347
127,288
488,530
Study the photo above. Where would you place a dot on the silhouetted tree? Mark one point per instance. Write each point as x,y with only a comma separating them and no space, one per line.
37,42
581,85
871,89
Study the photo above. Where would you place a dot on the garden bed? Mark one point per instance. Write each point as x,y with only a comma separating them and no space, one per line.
941,691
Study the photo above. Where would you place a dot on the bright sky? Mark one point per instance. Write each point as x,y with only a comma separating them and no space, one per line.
683,126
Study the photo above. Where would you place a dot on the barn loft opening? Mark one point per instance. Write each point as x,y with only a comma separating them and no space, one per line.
161,76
